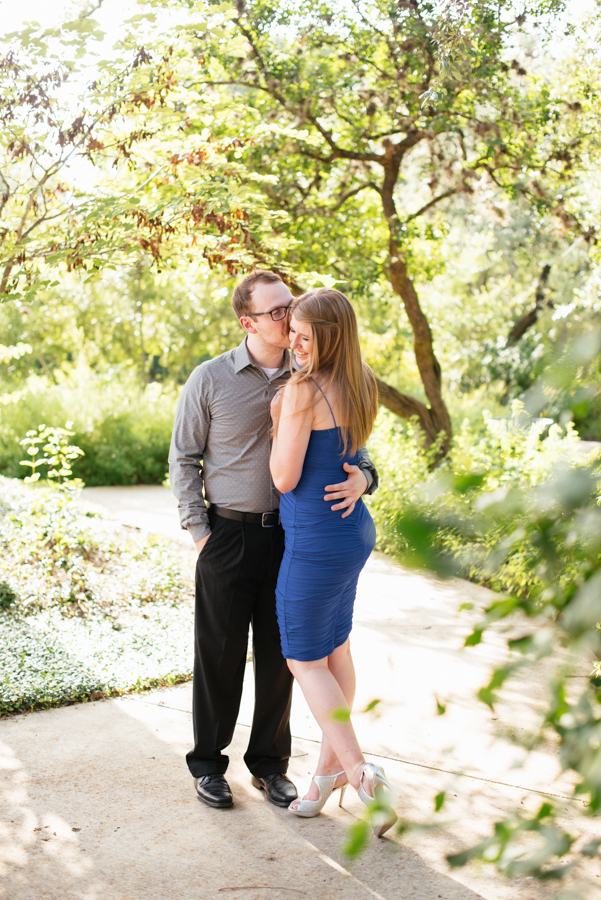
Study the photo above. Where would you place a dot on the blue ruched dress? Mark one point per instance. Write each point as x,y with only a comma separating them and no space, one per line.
324,554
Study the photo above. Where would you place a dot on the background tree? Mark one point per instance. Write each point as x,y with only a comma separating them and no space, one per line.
91,174
346,102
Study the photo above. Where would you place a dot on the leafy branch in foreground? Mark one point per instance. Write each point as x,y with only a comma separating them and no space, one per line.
559,520
499,848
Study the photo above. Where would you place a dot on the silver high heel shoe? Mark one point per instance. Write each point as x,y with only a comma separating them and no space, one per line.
325,786
382,815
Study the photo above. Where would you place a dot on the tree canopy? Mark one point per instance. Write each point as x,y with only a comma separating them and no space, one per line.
371,145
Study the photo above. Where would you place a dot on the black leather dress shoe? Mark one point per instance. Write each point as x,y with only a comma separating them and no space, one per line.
214,791
278,787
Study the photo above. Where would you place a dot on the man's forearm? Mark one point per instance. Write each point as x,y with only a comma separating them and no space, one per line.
186,484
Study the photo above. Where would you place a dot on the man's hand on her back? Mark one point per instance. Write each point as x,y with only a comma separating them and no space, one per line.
200,544
348,491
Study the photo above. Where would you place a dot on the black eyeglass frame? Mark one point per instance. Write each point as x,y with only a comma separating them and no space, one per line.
270,312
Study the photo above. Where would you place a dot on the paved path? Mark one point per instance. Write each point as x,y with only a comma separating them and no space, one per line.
97,803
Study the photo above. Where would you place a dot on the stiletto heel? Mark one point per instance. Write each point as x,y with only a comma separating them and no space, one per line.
343,788
325,786
383,816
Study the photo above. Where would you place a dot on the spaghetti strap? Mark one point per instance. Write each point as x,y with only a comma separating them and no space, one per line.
327,401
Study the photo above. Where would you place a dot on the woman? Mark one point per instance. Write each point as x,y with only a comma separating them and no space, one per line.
323,416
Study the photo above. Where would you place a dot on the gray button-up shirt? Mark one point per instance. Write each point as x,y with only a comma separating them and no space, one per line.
221,440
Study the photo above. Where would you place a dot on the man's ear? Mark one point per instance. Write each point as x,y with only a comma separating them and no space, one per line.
247,323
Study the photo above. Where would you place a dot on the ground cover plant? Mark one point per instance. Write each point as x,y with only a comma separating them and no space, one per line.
87,608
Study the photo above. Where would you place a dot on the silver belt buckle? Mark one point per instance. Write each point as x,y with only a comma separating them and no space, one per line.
266,524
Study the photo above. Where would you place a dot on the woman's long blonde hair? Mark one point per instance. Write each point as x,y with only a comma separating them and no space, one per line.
336,354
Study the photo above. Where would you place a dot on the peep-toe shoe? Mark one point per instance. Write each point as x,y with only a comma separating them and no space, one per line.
382,815
325,786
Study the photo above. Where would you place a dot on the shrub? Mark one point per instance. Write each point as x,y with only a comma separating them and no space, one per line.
58,555
482,468
123,429
7,596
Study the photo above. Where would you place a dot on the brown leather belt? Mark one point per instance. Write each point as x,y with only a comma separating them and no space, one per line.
266,519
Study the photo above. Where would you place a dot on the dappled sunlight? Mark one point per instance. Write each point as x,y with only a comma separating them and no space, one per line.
97,804
33,837
412,657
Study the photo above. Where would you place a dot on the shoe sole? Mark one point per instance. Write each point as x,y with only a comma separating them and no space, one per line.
283,804
381,828
214,804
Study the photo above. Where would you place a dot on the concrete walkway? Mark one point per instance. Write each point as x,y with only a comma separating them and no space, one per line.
97,803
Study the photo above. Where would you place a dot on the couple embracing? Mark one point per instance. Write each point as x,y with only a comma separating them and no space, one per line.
269,430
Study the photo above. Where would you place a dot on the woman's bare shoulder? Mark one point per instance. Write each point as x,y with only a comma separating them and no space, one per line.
299,393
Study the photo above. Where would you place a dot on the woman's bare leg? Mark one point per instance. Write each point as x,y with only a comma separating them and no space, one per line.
324,695
340,664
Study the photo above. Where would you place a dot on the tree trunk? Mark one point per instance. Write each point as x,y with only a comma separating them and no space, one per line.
436,418
428,365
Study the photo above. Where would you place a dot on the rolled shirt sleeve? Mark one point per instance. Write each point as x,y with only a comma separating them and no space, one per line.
369,470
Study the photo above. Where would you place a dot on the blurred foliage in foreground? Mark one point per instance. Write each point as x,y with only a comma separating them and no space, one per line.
521,511
461,514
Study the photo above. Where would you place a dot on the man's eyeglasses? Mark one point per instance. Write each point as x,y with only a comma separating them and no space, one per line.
277,314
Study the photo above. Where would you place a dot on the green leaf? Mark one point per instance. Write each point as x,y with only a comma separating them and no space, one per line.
357,839
474,638
439,801
486,695
464,483
522,645
592,848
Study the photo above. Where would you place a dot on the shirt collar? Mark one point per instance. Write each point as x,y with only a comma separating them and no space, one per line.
242,359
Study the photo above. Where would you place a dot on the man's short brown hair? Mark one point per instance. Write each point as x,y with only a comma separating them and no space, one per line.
242,296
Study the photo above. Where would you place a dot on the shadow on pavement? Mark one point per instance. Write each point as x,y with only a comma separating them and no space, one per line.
97,804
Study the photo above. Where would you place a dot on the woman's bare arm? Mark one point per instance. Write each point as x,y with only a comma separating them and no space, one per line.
291,442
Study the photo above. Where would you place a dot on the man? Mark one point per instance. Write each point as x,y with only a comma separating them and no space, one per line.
221,441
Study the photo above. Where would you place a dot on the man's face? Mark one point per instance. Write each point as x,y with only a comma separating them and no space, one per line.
265,298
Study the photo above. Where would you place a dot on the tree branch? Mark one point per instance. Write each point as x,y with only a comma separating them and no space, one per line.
527,321
407,407
4,192
432,203
341,200
338,152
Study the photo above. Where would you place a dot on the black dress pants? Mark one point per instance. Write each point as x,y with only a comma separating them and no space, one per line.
236,575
